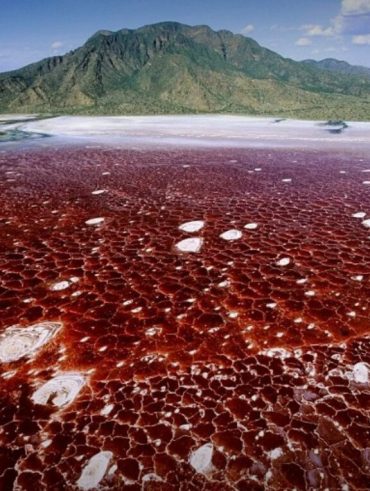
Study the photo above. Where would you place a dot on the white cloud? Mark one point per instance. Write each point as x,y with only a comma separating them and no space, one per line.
318,30
303,42
355,7
247,29
56,45
361,39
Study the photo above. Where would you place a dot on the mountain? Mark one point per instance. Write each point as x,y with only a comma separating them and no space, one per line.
339,66
175,68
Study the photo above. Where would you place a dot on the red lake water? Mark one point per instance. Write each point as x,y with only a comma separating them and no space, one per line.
139,351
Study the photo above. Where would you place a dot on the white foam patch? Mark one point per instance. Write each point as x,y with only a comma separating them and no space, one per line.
95,221
366,223
284,261
18,342
251,226
232,234
60,390
359,214
95,470
201,459
361,373
193,244
191,227
98,191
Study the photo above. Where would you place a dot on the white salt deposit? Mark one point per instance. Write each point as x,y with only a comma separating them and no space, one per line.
284,261
286,180
276,352
232,234
60,285
359,214
275,453
17,342
215,130
98,191
95,470
190,227
60,390
95,221
361,373
366,223
201,459
193,244
251,226
358,277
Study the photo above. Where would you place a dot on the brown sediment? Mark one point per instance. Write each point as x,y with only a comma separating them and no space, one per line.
241,365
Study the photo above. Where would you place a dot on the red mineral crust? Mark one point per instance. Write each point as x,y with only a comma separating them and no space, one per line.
140,353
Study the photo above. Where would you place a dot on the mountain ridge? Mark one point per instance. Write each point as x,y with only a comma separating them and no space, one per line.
171,67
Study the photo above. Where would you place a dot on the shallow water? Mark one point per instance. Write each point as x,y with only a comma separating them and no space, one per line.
242,364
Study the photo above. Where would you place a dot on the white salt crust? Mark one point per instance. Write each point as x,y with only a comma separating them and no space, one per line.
95,470
95,221
232,234
284,261
17,342
60,390
201,459
193,226
194,244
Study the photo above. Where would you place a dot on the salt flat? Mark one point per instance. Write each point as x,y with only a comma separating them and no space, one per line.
219,130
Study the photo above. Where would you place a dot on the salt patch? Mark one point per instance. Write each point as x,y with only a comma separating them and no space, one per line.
95,470
60,285
361,373
190,227
201,459
283,261
98,191
358,277
359,214
95,221
286,180
276,352
366,182
190,245
17,342
275,453
60,390
232,234
251,226
366,223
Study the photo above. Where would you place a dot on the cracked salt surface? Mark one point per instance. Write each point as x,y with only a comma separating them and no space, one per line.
18,342
95,470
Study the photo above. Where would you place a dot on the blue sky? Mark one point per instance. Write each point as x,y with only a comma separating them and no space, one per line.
35,29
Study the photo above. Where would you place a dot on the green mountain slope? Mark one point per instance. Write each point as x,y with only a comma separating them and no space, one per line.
339,66
174,68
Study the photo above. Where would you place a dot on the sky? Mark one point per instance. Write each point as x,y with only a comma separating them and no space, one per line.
34,29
